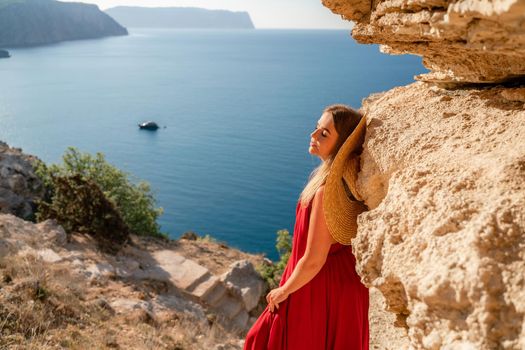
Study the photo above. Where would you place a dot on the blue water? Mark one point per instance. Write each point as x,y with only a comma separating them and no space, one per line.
238,106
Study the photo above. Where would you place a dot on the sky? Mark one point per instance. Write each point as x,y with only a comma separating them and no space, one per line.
264,13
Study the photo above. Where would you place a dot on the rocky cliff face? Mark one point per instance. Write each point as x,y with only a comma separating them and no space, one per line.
19,186
460,41
443,172
39,22
444,175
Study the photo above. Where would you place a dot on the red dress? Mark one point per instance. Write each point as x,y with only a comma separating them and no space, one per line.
329,312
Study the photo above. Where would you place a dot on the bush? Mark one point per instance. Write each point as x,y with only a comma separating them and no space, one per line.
80,205
134,202
272,273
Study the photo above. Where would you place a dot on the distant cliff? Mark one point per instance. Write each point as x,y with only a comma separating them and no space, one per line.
180,17
4,54
38,22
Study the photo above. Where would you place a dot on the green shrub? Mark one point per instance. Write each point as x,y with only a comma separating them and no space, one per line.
134,202
80,205
272,273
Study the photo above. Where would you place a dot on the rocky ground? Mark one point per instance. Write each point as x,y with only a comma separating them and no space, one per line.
61,291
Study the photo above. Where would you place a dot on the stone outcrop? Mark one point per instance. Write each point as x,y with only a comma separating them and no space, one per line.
245,282
19,186
463,41
229,298
383,334
443,172
172,284
18,235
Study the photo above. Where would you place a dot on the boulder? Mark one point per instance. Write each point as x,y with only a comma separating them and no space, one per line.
443,173
17,234
245,282
19,186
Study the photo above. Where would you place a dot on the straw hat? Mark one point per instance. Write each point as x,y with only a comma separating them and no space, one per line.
341,201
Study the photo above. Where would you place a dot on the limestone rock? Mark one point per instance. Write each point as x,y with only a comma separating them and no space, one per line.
230,307
49,255
121,305
136,311
19,186
156,308
230,296
52,232
460,42
17,234
246,282
146,282
100,270
173,302
172,267
443,172
383,335
125,267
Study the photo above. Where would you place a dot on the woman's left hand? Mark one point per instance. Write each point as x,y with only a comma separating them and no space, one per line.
275,297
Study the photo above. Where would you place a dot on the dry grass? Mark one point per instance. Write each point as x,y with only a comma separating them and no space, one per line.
35,298
46,306
214,255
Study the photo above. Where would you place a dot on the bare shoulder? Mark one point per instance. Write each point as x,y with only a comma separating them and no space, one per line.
317,201
319,193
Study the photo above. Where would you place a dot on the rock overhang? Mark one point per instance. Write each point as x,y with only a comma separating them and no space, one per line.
461,42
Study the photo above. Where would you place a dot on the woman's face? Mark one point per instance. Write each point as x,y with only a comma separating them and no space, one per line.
324,137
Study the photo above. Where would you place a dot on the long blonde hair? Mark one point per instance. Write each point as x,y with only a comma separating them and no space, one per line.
345,121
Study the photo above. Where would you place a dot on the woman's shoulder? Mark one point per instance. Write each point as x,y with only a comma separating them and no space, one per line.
318,197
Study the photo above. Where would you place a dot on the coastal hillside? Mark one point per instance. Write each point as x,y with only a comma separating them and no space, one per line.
180,17
67,289
59,290
40,22
443,172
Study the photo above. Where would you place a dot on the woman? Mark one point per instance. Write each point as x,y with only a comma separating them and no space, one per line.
321,302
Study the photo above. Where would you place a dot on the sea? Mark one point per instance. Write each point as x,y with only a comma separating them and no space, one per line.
235,107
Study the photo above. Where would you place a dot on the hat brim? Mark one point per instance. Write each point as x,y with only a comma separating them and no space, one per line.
340,210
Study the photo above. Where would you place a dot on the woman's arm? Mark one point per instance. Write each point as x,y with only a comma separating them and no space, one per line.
317,247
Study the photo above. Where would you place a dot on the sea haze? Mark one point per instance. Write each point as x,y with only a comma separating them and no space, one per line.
238,107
